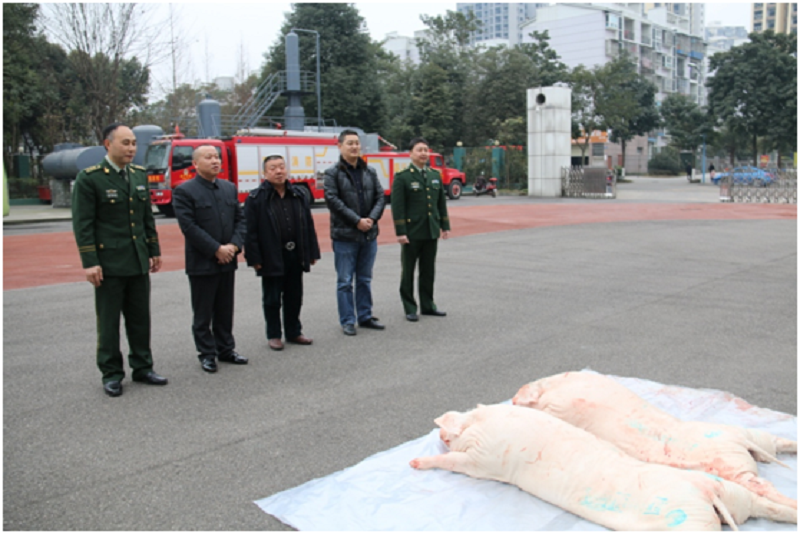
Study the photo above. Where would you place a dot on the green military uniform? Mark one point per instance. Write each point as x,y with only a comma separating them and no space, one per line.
114,228
419,211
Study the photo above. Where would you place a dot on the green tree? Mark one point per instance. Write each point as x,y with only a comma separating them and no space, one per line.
754,88
350,91
626,102
685,121
586,89
111,47
21,82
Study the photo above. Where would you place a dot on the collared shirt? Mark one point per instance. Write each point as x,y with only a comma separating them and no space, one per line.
284,213
116,168
421,170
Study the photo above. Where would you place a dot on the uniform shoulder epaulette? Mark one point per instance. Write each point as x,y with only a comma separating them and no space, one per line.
90,170
138,167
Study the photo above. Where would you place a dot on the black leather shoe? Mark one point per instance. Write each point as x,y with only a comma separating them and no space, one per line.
435,313
209,365
349,329
234,357
153,379
373,323
113,388
412,317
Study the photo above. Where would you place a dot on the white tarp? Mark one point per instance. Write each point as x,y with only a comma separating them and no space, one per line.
384,493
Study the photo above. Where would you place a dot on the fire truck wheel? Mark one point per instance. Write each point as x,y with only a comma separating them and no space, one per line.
454,190
167,210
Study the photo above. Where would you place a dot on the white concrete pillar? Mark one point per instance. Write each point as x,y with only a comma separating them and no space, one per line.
549,138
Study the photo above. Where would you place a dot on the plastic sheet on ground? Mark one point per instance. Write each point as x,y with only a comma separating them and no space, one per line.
384,493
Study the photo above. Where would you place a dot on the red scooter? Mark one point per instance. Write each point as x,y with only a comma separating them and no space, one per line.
482,187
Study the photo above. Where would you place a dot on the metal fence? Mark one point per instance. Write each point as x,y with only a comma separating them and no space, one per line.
588,182
782,190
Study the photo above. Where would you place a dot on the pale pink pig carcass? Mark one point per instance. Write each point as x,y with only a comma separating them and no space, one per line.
573,469
612,412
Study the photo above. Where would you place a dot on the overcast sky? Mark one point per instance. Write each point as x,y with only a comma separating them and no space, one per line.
225,30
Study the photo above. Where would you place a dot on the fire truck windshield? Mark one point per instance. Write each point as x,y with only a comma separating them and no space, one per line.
157,157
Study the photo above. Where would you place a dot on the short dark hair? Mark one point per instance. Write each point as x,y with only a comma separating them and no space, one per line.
417,140
108,131
345,133
270,158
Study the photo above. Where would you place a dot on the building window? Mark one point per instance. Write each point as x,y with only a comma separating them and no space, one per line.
758,5
771,12
757,27
770,24
758,15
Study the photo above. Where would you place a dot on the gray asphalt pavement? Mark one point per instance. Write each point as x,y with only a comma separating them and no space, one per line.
695,303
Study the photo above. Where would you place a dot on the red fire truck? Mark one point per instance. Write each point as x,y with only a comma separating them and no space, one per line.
307,155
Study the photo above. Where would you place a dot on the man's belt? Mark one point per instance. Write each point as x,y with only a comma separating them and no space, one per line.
289,245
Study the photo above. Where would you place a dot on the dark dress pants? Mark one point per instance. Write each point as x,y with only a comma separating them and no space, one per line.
129,296
284,292
212,304
424,252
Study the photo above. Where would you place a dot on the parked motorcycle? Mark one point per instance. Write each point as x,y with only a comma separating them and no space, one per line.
484,187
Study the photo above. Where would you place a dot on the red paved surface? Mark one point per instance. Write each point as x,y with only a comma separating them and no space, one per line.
45,259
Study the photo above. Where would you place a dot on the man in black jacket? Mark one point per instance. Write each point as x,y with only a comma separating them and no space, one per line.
213,226
355,199
281,244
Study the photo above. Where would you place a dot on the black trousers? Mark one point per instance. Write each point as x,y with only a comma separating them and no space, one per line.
284,292
212,304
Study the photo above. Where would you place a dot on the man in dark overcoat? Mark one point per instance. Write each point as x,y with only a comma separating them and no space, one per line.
213,226
115,231
281,245
419,211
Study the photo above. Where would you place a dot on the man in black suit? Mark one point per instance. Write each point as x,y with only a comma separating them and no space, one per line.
214,229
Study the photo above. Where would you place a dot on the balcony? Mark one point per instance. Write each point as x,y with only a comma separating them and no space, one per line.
612,49
628,35
646,41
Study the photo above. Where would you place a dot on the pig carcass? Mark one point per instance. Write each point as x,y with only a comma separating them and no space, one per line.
577,471
612,412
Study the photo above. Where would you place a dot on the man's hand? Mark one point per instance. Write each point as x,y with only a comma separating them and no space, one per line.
226,253
365,225
313,262
445,234
257,267
94,275
155,264
402,239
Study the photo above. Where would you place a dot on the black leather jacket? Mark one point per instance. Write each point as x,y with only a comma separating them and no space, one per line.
341,196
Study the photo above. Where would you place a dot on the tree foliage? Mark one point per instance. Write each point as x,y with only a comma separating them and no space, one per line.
686,121
626,102
112,47
754,89
348,63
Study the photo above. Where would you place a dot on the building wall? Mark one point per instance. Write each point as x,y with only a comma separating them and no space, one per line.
499,20
780,18
577,35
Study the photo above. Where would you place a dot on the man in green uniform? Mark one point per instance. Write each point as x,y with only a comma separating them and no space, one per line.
420,217
116,235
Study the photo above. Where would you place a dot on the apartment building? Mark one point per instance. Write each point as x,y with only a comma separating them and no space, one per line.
500,23
660,40
780,18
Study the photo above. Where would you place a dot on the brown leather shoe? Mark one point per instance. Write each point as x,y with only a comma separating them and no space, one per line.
275,344
301,340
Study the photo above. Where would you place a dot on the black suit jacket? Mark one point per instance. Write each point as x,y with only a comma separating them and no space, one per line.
209,216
